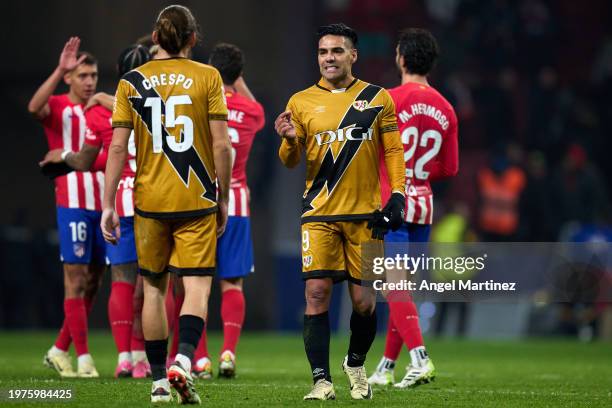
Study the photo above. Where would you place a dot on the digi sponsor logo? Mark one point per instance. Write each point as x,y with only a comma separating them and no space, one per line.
340,135
307,260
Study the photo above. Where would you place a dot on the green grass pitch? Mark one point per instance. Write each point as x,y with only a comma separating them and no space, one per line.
273,371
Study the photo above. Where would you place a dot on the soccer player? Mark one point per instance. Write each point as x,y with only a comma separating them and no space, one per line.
176,109
78,200
428,128
341,124
122,257
235,247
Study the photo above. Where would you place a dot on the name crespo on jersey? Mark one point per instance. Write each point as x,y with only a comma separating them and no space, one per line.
342,133
65,128
169,103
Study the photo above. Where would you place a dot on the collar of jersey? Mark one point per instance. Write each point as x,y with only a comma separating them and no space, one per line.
339,90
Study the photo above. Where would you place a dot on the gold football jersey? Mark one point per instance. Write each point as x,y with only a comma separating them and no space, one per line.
169,103
342,133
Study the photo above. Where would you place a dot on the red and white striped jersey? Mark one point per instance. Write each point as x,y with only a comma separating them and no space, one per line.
100,134
65,129
428,128
245,118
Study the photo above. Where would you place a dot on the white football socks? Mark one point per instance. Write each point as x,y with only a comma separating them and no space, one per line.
84,359
138,356
418,357
124,356
386,364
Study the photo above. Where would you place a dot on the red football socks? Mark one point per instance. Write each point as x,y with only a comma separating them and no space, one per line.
202,349
393,341
232,314
405,318
63,338
75,313
137,342
121,313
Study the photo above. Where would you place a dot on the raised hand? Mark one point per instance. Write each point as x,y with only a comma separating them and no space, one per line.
283,125
68,58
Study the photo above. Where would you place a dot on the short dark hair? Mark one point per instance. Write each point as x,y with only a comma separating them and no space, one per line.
89,58
419,49
132,57
229,60
338,29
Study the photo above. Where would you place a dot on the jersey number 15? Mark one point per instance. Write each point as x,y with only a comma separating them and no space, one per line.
171,121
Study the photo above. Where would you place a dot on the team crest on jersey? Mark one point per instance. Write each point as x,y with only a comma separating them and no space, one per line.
360,105
79,250
307,261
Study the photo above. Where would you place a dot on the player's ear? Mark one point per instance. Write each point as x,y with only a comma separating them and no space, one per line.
155,37
353,55
68,78
192,40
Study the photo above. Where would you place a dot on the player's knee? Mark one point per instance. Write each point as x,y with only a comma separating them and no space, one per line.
317,295
364,307
124,273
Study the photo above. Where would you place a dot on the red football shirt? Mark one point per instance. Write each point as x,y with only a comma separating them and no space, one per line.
65,129
245,118
428,128
100,134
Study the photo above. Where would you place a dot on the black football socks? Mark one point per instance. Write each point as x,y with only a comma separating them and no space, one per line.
190,331
363,332
156,354
316,343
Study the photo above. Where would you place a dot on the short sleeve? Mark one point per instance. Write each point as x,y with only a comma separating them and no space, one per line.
51,120
297,121
217,105
388,121
92,137
122,109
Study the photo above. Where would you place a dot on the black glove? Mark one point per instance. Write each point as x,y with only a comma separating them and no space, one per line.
379,224
395,210
53,170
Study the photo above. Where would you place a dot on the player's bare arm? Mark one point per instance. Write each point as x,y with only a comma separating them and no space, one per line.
81,160
290,151
101,98
38,106
117,154
242,88
222,152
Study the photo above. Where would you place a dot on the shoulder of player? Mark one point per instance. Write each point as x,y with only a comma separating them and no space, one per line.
97,112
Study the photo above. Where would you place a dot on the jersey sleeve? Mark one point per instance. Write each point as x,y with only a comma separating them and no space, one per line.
290,151
217,105
393,150
122,109
53,119
92,137
446,163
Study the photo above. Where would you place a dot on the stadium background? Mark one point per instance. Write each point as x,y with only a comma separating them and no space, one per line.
530,81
